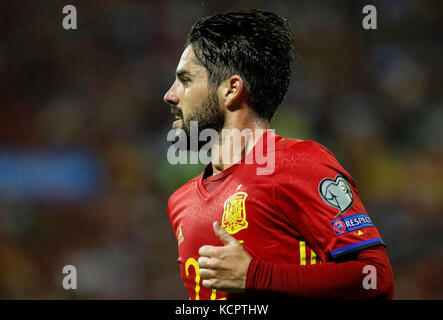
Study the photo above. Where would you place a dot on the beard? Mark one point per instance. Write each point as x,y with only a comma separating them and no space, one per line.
207,116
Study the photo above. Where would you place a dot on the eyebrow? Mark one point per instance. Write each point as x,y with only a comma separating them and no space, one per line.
181,73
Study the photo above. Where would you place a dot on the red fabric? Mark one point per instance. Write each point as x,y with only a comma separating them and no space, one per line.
298,193
331,280
210,182
284,219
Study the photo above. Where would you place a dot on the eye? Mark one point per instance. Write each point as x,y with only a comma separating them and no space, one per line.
184,81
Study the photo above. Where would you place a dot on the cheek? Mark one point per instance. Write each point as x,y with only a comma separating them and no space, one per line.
193,98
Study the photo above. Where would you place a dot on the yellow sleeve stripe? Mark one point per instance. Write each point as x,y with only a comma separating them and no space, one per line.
313,257
302,253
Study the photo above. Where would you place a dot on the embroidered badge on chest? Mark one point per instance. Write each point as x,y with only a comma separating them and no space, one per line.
234,213
337,193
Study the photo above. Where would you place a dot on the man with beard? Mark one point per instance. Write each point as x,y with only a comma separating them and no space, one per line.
297,231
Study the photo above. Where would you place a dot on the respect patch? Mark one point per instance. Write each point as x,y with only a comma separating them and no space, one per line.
351,223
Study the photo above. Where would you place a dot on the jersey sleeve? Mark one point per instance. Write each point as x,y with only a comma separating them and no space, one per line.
321,200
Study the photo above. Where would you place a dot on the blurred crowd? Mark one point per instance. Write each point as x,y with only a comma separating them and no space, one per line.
89,103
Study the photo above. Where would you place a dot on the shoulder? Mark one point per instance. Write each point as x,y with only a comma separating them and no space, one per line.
302,151
182,192
298,160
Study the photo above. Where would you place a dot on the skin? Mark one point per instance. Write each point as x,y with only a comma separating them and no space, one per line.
191,89
223,268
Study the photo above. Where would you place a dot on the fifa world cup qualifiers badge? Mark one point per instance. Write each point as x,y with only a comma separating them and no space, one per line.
337,193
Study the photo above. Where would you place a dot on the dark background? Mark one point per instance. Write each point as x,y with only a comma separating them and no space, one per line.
84,179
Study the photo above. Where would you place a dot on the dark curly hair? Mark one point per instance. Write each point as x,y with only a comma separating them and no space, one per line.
254,44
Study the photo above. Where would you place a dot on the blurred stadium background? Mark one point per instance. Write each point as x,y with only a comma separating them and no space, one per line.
83,173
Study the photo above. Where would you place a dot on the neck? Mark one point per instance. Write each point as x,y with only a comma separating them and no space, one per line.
235,141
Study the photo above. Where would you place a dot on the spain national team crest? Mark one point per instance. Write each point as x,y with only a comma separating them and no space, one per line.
234,213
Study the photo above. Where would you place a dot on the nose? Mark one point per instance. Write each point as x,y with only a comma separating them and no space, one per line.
171,96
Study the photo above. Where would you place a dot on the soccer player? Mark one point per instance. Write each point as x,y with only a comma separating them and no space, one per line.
298,230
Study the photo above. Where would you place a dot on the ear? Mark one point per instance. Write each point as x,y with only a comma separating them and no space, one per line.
233,92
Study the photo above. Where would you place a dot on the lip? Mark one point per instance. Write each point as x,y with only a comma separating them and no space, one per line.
177,114
177,124
176,111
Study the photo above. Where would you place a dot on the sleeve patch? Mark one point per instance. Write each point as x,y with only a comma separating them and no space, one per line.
351,223
336,193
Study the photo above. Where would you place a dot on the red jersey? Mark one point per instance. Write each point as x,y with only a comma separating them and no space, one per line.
307,211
